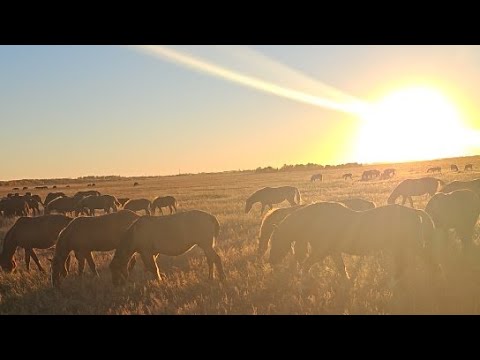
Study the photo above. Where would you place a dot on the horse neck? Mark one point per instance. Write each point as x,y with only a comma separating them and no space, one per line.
9,247
62,249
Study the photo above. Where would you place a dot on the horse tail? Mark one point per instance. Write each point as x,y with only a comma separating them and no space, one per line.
298,196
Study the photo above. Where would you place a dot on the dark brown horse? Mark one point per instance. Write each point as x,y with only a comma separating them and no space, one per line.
86,234
468,167
171,235
332,229
457,210
164,201
138,205
273,195
106,202
454,167
316,177
31,233
473,185
414,187
347,176
434,169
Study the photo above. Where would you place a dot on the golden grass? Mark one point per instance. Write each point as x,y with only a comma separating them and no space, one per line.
252,286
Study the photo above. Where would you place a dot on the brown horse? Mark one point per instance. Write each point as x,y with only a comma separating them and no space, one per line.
51,196
86,234
31,233
473,185
171,235
389,172
271,219
332,229
138,205
370,174
434,169
414,187
468,167
164,201
454,167
14,206
273,195
105,202
347,176
316,177
457,210
63,205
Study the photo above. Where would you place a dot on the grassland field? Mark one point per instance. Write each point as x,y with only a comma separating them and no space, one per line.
252,286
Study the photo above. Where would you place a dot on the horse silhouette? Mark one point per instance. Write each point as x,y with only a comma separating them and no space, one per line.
316,177
273,195
414,187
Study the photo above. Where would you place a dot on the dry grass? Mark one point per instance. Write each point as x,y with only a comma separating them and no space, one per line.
252,286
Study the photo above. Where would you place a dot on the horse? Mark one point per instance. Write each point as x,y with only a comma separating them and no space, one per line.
273,195
31,233
51,196
332,229
316,177
454,167
414,187
138,205
63,205
457,210
171,235
164,201
370,174
468,167
473,185
347,176
136,183
274,217
14,206
86,234
105,202
434,169
389,172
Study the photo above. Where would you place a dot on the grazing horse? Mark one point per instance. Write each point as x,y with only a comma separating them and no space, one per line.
473,185
31,233
271,219
370,174
347,176
316,177
454,167
274,217
51,196
86,234
468,167
164,201
457,210
388,173
14,206
273,195
138,205
434,169
63,205
25,188
105,202
332,229
170,235
136,183
414,187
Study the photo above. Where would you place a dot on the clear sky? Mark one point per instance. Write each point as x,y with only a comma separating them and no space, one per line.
68,111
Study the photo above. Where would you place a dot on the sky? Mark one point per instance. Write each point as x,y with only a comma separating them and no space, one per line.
69,111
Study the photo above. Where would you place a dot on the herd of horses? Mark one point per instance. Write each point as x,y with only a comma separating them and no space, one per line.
325,228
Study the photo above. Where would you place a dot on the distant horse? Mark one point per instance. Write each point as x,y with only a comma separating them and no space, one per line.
473,185
170,235
454,167
31,233
63,205
389,172
164,201
138,205
468,167
457,210
414,187
434,169
331,229
25,188
370,174
86,234
16,188
316,177
273,195
136,183
41,187
53,195
347,176
105,202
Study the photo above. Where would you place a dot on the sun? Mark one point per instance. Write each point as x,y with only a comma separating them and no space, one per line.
415,123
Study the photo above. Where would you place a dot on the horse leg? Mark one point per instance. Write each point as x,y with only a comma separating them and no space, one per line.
404,199
340,264
263,207
132,262
91,264
67,262
311,260
161,211
81,262
147,211
411,201
35,258
213,258
27,259
174,207
171,209
151,265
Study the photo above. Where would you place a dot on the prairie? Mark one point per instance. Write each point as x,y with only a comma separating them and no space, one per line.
252,286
